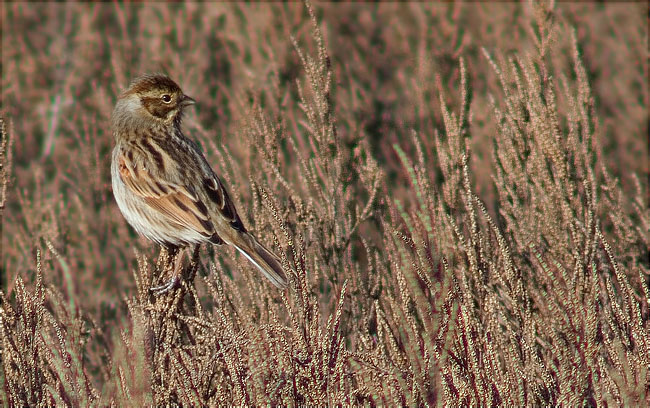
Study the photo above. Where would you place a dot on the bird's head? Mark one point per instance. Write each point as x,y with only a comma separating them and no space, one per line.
153,97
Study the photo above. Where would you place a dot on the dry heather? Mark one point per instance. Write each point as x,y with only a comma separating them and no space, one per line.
453,189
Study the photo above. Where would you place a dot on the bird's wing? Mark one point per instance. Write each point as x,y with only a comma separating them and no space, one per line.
175,201
218,194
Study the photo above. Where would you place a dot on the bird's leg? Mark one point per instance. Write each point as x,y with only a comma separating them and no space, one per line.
194,263
172,262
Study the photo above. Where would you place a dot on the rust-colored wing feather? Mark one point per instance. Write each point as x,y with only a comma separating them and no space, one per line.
175,201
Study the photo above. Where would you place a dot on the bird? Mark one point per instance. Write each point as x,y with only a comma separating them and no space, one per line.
163,184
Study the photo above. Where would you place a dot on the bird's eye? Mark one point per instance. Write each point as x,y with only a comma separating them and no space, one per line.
166,98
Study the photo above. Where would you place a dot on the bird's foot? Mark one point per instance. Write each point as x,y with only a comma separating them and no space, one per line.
172,264
164,288
174,261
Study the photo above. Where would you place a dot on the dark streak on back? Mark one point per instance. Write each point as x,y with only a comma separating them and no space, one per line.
157,156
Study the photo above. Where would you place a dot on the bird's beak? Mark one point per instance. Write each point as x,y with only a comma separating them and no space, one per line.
187,101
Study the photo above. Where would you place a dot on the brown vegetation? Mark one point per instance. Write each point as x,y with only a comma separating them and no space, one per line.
459,191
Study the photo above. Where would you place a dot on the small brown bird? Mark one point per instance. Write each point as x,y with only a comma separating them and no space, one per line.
163,184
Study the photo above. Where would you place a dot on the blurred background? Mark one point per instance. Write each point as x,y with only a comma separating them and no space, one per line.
64,63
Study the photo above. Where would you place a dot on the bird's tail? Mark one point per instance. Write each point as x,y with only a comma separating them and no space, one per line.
266,261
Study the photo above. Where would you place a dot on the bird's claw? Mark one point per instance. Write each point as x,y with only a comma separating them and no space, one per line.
162,289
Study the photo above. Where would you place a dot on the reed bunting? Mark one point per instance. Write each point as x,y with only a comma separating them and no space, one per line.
163,184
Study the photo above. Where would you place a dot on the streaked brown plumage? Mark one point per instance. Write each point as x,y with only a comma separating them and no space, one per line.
163,184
